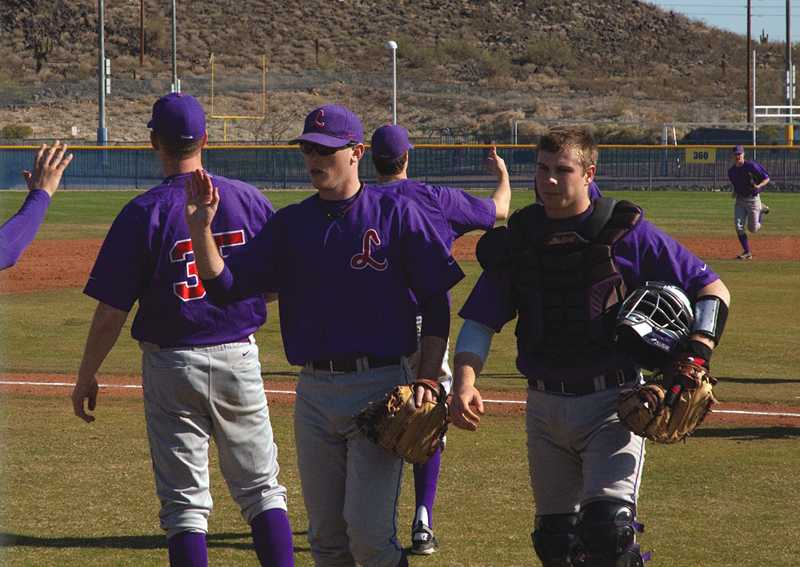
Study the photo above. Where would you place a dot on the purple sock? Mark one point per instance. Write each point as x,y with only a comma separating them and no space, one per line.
272,536
188,549
426,477
743,240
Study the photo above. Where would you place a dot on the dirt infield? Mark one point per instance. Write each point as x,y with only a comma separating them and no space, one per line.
282,392
58,264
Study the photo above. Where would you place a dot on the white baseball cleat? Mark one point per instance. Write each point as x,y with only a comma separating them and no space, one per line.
423,542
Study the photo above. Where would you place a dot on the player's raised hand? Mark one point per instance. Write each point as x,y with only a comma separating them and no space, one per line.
86,388
466,407
495,163
202,200
48,168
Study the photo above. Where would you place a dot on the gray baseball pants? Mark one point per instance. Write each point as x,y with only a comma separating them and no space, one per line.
747,213
350,485
191,395
578,451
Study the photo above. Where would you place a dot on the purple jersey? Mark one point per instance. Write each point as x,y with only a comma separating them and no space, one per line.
18,231
347,274
452,212
745,176
645,254
147,256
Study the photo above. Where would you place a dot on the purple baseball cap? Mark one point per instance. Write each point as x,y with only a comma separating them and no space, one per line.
390,142
178,117
738,150
331,125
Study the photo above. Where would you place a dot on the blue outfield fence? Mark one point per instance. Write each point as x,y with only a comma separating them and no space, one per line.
620,167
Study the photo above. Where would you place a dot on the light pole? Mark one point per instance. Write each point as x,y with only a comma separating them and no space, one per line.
176,83
102,132
393,46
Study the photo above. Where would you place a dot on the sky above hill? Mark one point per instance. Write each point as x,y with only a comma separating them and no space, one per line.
767,15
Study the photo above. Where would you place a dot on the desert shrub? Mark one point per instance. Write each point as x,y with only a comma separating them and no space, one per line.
547,51
16,131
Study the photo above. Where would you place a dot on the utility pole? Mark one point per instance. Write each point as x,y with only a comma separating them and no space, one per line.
141,33
749,70
102,131
789,76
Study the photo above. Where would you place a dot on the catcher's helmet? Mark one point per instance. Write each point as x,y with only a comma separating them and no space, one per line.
652,322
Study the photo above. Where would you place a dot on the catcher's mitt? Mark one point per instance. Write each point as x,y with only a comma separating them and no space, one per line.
670,409
399,426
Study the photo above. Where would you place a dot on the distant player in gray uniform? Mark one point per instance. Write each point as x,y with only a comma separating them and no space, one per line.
352,267
748,179
19,231
453,213
562,273
200,367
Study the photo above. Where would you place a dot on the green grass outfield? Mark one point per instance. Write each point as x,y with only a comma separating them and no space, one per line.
77,494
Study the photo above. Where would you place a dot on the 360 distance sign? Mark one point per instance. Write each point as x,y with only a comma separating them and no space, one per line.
701,155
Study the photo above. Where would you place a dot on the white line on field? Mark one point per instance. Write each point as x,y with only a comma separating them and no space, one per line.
291,393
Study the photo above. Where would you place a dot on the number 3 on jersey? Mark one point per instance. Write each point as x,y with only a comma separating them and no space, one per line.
192,288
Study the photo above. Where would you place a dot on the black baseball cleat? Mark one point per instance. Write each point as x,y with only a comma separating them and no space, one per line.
423,542
764,210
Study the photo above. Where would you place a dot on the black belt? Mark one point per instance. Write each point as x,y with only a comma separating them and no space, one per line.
355,364
584,386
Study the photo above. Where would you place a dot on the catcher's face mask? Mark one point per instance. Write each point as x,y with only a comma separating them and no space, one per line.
652,322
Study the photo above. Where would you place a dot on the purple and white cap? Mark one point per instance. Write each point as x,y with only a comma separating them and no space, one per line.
737,150
390,142
332,126
178,117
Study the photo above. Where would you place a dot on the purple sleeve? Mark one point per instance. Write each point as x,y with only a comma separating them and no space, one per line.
431,269
649,254
465,212
250,269
123,266
435,313
490,301
594,191
18,231
760,170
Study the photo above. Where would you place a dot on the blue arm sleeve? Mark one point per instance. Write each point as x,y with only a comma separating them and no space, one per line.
18,231
475,338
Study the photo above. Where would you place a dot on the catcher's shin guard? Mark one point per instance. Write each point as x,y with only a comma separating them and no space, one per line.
607,534
554,539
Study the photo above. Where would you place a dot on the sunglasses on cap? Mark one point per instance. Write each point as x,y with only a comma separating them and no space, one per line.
310,147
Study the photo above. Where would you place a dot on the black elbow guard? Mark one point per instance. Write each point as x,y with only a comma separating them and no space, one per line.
494,249
710,315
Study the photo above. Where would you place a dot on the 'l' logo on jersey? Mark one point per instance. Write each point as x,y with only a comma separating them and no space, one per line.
365,259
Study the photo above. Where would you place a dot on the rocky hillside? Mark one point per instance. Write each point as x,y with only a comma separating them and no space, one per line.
467,69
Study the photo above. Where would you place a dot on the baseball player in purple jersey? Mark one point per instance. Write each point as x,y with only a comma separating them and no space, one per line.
201,374
563,273
19,231
453,213
748,179
352,267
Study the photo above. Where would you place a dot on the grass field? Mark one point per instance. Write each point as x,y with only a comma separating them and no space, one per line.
76,494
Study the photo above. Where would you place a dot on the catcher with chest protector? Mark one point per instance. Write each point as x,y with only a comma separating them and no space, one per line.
562,268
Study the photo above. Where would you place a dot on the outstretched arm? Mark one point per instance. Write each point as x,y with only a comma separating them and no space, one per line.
502,194
20,230
103,333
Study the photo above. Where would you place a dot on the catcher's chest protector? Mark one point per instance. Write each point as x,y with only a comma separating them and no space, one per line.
566,284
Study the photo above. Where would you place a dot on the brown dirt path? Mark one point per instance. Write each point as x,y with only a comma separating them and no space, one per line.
282,392
58,264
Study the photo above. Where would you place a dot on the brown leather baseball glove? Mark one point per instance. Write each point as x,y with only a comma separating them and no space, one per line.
399,426
670,409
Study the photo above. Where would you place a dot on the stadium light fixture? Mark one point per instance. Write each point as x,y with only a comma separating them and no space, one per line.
391,44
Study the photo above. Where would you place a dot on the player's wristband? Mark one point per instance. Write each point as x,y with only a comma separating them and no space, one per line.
697,352
710,316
